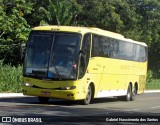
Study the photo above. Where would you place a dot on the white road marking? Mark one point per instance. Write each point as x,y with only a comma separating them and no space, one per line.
155,107
132,110
152,91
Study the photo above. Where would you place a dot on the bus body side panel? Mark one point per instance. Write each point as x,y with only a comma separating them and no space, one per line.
142,73
116,76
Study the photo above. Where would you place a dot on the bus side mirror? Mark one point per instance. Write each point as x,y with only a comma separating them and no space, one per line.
82,52
23,49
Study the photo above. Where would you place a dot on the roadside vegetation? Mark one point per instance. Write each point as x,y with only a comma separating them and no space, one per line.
154,84
152,81
10,78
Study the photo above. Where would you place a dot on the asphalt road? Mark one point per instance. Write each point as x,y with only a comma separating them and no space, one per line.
27,110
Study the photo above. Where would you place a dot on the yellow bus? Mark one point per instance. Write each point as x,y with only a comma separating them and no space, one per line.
83,63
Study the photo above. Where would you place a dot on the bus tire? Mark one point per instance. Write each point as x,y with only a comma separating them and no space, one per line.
133,96
88,98
127,97
129,94
43,100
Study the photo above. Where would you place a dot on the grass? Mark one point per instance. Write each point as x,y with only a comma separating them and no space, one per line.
153,84
10,78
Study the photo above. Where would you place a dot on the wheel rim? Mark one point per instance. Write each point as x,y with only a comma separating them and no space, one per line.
129,94
133,94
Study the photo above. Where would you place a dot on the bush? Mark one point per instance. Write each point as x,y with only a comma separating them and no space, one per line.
153,85
10,78
149,76
152,81
11,54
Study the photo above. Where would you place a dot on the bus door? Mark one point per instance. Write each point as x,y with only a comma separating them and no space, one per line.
95,69
96,64
84,60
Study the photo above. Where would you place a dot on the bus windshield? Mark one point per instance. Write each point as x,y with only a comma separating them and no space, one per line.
52,55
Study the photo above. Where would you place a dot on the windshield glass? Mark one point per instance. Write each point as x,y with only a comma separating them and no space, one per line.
52,55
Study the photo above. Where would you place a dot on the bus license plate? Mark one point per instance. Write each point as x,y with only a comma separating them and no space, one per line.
45,93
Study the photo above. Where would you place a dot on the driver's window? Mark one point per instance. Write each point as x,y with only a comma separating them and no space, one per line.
84,57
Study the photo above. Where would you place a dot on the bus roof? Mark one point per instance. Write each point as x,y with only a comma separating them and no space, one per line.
84,30
78,29
136,42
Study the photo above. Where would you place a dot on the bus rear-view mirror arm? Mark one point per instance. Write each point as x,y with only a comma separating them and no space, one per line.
23,49
82,52
82,55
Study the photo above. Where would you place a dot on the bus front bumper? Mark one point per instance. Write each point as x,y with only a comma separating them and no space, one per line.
61,94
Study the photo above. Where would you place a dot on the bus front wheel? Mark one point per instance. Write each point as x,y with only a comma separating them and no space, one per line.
88,98
43,100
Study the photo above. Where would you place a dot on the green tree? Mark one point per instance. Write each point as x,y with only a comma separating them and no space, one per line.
100,13
62,12
13,28
36,16
150,26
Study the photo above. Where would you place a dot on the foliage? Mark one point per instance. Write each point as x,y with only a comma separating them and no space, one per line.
11,54
149,11
62,12
13,28
10,78
100,14
152,81
154,84
149,76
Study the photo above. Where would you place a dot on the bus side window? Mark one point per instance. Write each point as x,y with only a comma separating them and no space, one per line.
114,48
95,45
104,45
142,55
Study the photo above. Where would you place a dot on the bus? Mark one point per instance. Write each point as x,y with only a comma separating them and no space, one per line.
83,63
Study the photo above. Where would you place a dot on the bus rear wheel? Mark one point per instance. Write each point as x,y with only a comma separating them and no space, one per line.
127,97
129,94
88,98
43,100
133,96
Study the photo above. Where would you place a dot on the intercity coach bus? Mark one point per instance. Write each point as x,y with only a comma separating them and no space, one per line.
83,63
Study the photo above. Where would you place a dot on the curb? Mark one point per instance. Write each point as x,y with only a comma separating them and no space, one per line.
151,91
11,95
3,95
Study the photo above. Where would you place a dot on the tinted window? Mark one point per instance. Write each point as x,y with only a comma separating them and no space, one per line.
105,46
95,46
112,48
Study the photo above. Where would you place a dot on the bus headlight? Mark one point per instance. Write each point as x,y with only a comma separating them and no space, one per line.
68,87
27,84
